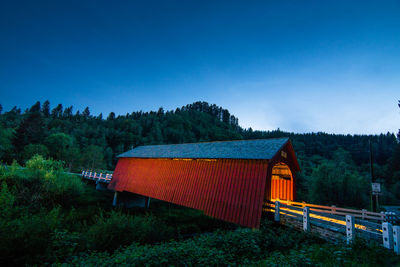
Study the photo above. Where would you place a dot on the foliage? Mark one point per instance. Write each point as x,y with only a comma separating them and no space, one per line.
38,226
272,246
34,149
110,231
42,183
93,157
337,182
6,146
337,164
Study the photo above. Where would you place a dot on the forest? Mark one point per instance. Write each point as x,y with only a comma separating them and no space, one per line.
50,216
335,168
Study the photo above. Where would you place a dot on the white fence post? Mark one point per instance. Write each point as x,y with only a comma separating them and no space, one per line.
387,235
350,229
306,219
277,211
364,211
333,209
396,239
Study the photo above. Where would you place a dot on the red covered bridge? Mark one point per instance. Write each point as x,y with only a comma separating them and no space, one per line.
227,180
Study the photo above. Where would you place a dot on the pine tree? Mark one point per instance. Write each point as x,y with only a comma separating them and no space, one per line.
35,107
111,116
68,112
46,109
57,111
86,113
31,130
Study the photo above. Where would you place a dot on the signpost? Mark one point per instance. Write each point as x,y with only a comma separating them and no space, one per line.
374,197
376,188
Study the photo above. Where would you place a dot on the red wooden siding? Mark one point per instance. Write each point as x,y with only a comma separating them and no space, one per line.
228,189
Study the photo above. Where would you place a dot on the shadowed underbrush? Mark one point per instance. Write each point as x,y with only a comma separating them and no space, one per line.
50,217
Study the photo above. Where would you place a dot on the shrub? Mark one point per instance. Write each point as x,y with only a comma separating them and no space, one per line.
116,229
7,200
26,239
42,183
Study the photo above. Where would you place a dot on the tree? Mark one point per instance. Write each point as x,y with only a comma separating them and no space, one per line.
160,111
6,146
46,109
111,116
337,182
108,156
57,111
35,149
93,157
58,145
68,112
35,107
86,113
398,134
31,130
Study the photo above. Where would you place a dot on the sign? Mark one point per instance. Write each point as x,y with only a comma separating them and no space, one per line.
376,188
284,154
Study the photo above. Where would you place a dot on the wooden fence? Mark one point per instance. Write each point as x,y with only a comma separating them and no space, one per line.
102,177
337,223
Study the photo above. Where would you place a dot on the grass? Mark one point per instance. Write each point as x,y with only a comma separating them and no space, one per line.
50,217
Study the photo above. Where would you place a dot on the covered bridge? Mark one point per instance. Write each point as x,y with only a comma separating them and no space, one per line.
227,180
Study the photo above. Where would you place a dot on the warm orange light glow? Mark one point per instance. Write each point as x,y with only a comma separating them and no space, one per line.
282,182
341,222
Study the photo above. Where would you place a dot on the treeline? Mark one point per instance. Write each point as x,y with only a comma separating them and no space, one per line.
83,140
338,164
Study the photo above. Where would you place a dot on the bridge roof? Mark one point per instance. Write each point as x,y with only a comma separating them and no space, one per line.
240,149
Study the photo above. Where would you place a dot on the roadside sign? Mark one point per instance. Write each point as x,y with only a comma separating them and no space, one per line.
376,188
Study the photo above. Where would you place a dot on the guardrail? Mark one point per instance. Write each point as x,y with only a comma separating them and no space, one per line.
346,223
97,176
363,214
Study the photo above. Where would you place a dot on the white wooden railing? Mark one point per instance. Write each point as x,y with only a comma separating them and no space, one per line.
349,223
103,177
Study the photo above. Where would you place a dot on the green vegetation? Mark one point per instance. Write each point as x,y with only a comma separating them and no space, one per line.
337,164
49,216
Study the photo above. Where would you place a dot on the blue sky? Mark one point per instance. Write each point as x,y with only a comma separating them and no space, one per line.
301,66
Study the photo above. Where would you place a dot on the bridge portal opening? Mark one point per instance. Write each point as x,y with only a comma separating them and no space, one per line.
281,182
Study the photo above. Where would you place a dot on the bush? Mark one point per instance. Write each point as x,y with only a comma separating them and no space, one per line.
115,229
42,183
26,239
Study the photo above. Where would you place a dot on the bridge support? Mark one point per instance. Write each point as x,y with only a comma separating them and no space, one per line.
115,198
387,235
350,229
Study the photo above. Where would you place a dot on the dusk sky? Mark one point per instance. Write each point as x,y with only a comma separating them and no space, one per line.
301,66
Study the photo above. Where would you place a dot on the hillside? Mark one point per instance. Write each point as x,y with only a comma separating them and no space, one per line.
82,140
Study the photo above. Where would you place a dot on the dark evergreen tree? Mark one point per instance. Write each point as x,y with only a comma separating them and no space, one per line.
68,112
31,130
86,113
35,107
57,111
46,109
111,116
